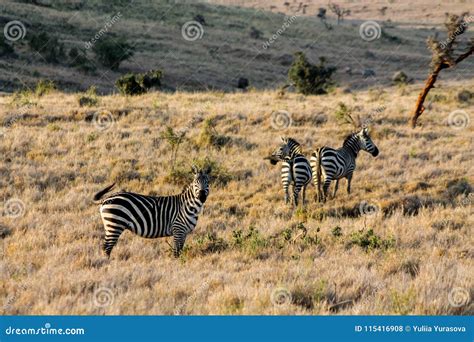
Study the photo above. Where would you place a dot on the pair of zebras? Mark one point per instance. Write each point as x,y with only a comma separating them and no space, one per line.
177,215
326,164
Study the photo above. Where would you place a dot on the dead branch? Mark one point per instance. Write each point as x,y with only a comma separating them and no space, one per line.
443,58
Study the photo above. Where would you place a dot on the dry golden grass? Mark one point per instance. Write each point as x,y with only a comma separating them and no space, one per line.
53,160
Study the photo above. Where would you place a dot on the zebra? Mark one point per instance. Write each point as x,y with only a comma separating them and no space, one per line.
153,217
295,170
333,164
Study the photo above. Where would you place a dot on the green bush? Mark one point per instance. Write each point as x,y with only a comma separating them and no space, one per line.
251,241
210,137
368,240
137,84
47,46
308,78
80,61
44,87
5,48
182,175
128,85
110,52
89,98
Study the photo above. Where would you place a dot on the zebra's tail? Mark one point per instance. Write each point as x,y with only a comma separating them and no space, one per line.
317,156
101,193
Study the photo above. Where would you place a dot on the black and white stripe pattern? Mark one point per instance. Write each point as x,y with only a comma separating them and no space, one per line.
330,164
153,217
295,170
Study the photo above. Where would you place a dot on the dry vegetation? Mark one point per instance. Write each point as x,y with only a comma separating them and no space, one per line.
248,244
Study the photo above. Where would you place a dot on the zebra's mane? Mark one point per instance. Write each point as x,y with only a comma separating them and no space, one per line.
349,137
293,142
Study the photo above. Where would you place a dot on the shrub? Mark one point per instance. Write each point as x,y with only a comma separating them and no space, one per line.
80,60
336,231
89,98
182,175
369,240
242,83
137,84
44,87
400,78
251,240
465,96
308,78
47,46
255,33
210,137
5,48
128,85
111,52
208,243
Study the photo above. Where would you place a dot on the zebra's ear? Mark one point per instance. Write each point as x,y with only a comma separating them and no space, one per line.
195,168
283,139
208,170
366,130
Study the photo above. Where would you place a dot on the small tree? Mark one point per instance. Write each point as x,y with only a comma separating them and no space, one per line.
445,55
174,139
111,52
137,84
322,16
309,78
339,11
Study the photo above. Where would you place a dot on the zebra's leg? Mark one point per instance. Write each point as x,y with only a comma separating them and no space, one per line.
304,194
287,196
296,193
349,179
335,188
179,238
112,234
327,183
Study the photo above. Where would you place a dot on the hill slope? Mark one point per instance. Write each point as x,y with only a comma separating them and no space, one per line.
224,53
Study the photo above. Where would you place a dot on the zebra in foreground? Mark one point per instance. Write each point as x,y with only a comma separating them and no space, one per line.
153,217
330,164
295,170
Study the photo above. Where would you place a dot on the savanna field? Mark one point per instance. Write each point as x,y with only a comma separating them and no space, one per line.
400,243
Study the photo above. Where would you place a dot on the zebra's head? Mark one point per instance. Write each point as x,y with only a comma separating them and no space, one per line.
200,184
288,147
366,142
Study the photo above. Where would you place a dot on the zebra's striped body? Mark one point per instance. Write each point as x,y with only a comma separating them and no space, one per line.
295,170
153,217
330,164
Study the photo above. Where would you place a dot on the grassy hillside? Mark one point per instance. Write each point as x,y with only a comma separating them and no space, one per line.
250,253
224,53
409,13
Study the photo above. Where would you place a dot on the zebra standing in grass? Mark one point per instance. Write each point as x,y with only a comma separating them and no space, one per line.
295,170
153,217
333,164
